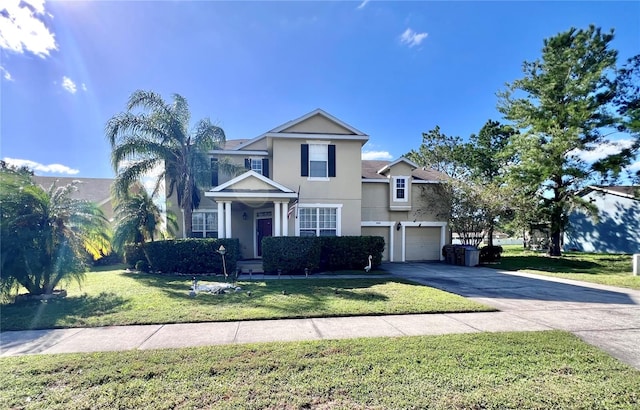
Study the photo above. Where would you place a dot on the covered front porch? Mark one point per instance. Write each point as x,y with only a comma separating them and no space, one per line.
251,207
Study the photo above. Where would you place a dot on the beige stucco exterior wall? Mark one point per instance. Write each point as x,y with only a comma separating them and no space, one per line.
375,203
344,189
318,124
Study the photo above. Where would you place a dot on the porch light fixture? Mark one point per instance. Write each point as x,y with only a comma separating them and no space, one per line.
244,216
398,226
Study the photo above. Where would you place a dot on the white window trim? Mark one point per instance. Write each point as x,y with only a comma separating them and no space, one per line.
395,188
259,159
338,208
316,142
204,211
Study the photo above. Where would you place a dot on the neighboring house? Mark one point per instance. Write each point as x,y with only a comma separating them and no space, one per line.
306,178
96,190
618,227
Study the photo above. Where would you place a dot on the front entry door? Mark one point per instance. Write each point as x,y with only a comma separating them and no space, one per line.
264,229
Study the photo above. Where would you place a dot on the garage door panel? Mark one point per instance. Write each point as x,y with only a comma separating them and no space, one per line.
422,243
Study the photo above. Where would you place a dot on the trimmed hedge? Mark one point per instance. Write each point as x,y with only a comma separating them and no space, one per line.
350,252
188,256
332,253
291,254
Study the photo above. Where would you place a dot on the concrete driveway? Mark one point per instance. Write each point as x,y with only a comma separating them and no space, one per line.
605,316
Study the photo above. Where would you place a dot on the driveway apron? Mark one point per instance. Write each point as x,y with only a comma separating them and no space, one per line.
605,316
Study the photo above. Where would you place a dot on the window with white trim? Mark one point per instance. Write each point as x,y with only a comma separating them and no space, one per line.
204,224
256,165
318,160
400,193
318,221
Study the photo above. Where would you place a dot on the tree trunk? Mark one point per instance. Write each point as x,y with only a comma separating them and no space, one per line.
187,213
556,229
490,236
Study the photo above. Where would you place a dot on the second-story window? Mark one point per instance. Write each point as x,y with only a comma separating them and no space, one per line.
318,160
259,165
256,165
400,189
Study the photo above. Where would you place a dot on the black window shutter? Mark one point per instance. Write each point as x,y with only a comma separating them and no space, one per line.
214,172
247,163
304,160
265,167
332,160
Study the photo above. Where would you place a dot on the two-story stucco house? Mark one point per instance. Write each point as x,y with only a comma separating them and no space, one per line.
306,178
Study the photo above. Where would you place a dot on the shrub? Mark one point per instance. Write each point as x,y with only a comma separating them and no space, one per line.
292,254
350,252
189,256
490,254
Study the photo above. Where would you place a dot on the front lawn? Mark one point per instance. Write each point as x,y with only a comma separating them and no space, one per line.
124,298
542,370
605,269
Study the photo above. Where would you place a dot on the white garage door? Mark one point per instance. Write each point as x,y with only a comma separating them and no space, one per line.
379,231
422,244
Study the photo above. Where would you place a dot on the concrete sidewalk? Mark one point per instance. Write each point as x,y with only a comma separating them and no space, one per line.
604,316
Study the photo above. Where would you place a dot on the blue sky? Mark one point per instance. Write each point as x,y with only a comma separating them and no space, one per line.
391,69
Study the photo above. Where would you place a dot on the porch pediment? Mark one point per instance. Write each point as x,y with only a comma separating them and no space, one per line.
251,185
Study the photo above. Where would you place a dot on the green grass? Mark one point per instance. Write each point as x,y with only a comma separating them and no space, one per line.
605,269
125,298
541,370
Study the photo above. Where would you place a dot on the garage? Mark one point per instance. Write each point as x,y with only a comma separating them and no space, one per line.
422,243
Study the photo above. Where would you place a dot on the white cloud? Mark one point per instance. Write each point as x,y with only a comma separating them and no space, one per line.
364,3
38,167
84,87
381,155
602,150
6,74
69,85
21,28
411,38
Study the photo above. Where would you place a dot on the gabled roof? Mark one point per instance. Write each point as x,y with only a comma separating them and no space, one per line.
277,132
372,171
387,167
322,113
265,187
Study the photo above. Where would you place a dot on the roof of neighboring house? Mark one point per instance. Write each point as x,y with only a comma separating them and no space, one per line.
232,144
370,170
97,190
628,191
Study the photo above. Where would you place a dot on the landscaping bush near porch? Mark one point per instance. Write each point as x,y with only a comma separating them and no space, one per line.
293,255
188,256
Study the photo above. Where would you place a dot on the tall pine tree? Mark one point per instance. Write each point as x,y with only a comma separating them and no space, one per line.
561,107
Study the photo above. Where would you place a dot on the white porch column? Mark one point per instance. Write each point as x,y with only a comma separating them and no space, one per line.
220,220
276,222
285,221
227,219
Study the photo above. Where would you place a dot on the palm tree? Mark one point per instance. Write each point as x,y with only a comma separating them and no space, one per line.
47,236
139,220
158,135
